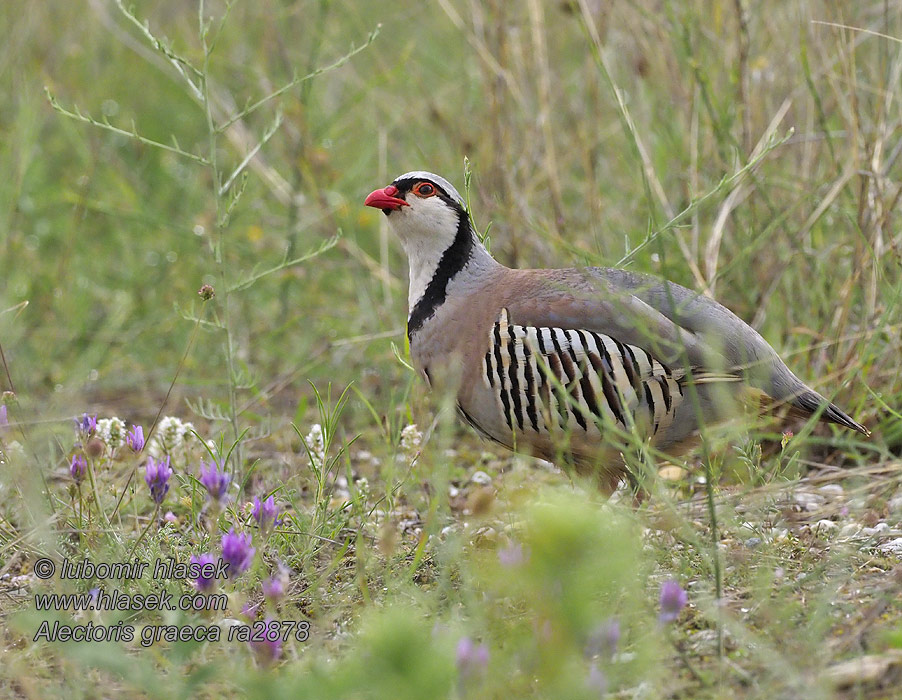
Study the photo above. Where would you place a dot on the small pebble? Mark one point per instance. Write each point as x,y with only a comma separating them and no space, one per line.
892,547
808,501
831,489
878,529
481,478
752,542
850,530
825,528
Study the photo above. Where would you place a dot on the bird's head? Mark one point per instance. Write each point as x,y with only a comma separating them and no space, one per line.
423,209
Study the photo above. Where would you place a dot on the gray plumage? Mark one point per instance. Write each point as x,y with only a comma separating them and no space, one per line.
563,361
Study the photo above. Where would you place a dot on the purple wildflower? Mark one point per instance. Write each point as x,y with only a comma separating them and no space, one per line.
237,552
203,583
273,589
512,555
87,425
216,481
604,639
673,600
135,438
596,681
78,467
156,475
265,513
269,649
471,659
4,416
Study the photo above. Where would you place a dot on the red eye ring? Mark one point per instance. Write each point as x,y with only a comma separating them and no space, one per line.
424,189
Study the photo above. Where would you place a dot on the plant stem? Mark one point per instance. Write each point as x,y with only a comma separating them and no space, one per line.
153,519
218,194
96,495
715,548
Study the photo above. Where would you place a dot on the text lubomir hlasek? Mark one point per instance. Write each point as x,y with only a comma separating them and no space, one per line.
163,569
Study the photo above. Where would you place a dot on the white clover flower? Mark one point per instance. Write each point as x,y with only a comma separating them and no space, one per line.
316,444
174,439
112,432
411,439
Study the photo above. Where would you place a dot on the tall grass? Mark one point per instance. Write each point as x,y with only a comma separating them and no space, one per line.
750,151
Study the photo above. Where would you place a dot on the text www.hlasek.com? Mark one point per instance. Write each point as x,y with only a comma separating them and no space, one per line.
115,600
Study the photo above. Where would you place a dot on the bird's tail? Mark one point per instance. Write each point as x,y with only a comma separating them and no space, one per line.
802,402
808,403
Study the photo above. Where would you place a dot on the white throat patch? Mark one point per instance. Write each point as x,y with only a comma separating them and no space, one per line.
426,230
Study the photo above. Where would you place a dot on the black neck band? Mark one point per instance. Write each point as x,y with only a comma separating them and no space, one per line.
452,261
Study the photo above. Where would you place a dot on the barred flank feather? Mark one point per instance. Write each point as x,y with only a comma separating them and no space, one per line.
550,379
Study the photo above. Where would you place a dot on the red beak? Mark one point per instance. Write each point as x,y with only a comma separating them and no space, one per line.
385,199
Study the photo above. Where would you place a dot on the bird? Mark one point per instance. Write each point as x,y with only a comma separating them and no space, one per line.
570,364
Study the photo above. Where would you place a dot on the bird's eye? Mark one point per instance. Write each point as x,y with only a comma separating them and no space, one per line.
424,189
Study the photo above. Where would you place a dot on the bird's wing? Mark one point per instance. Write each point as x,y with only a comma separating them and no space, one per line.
545,378
583,299
743,347
676,326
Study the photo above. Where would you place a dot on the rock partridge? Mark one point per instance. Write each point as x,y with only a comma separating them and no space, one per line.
568,363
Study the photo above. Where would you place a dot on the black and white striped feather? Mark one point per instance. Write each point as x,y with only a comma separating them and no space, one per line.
546,380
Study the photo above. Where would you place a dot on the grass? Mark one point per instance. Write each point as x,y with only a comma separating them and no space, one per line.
746,150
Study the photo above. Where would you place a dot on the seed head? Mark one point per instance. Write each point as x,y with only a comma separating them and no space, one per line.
95,448
206,292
